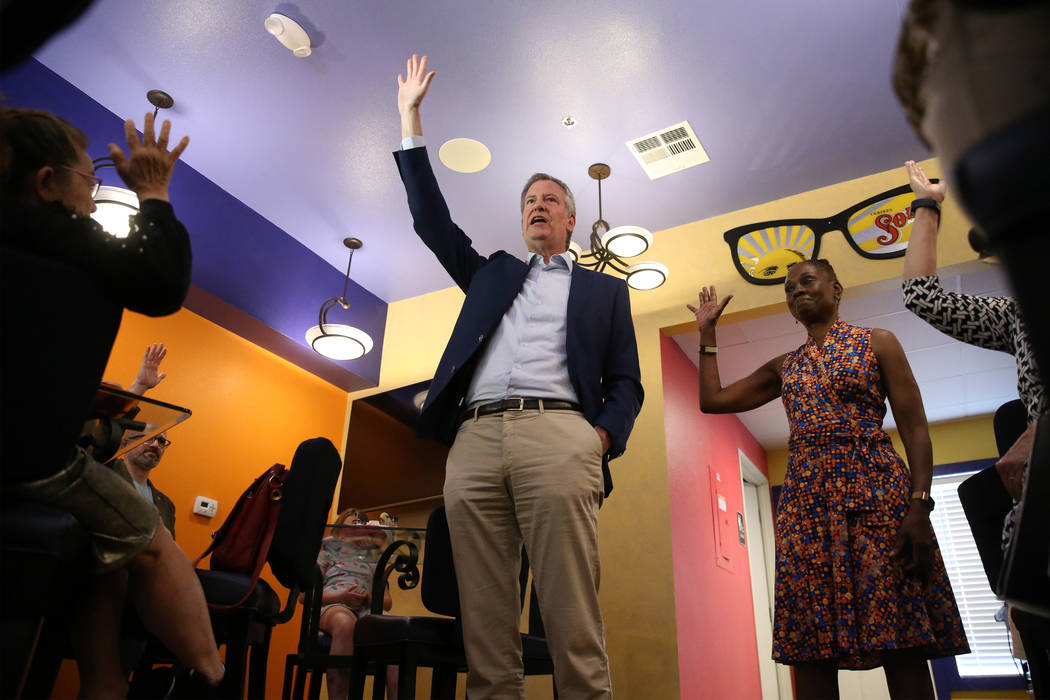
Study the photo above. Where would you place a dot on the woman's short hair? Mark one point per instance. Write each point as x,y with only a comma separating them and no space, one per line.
822,264
31,139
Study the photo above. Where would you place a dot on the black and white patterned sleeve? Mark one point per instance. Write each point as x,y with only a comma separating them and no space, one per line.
981,321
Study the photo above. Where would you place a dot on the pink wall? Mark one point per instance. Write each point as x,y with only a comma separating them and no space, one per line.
717,657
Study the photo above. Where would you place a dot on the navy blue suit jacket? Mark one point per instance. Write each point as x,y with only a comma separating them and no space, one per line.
599,338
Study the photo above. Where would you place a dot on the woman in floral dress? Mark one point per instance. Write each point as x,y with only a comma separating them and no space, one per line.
859,579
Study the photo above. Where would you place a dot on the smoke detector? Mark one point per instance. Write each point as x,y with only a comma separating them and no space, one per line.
668,150
287,31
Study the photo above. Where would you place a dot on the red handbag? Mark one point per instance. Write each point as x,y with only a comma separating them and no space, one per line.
242,543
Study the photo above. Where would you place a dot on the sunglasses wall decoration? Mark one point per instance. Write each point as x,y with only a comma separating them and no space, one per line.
877,228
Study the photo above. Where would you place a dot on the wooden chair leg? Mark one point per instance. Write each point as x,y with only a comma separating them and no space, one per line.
379,682
406,676
299,689
290,667
316,676
258,657
358,672
443,684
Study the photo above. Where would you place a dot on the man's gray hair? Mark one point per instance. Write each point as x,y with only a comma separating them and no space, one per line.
570,201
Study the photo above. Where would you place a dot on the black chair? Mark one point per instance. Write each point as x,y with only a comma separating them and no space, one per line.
430,642
983,497
246,629
44,552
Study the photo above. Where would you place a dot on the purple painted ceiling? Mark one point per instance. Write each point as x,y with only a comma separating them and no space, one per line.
785,97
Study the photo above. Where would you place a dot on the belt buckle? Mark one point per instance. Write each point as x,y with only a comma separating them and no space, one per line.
521,404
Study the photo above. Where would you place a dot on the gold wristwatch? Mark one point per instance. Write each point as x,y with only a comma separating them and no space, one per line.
925,497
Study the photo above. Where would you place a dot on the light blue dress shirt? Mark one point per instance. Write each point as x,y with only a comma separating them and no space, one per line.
525,355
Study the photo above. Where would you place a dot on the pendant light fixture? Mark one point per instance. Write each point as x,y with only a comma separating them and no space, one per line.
610,245
339,341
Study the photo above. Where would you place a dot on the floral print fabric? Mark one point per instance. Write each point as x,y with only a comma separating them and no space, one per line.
839,593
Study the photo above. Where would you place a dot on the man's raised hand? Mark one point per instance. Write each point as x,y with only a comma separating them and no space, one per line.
413,85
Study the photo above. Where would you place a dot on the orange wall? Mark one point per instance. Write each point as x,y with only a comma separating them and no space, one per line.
250,409
717,649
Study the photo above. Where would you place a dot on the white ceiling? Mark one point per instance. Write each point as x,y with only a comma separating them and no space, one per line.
956,380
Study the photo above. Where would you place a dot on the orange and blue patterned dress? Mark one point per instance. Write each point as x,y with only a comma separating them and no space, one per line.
839,593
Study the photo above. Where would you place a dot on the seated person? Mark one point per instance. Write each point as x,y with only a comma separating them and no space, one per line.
47,185
348,566
135,466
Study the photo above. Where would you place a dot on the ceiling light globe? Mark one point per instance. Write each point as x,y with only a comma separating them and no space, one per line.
575,251
646,275
419,399
339,341
115,205
627,241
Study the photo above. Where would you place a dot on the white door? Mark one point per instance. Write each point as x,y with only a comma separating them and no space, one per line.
758,520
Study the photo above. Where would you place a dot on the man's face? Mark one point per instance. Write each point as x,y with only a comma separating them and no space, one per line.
545,221
147,455
73,189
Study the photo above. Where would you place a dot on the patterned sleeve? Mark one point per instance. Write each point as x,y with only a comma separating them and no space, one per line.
325,559
980,321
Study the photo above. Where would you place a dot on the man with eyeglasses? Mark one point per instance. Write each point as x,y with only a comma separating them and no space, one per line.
136,466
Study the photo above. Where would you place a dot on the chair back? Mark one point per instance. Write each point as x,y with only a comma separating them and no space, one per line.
439,588
1011,419
308,493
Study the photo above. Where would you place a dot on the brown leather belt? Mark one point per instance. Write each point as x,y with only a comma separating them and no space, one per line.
519,404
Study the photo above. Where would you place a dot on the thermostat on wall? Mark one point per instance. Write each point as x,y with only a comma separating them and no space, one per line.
207,507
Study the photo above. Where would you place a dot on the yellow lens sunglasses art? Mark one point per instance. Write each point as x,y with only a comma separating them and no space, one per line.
877,228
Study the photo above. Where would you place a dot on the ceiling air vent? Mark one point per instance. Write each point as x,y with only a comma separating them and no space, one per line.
668,150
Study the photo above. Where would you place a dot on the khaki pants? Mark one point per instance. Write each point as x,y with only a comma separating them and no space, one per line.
534,477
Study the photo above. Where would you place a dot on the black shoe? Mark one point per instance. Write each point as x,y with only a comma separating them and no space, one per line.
191,685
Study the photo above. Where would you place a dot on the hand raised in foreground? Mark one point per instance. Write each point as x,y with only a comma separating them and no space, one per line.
149,374
413,85
146,170
708,310
921,185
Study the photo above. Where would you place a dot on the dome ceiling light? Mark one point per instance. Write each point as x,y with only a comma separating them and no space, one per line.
339,341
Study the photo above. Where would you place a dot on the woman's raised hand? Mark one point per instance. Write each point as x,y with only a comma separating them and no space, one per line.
708,310
921,185
146,169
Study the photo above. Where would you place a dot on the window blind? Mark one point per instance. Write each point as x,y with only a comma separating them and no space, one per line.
990,652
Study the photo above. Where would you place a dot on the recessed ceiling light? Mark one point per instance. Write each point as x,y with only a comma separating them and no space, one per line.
568,121
465,155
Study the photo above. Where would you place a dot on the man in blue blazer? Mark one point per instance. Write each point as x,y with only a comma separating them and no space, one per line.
537,390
